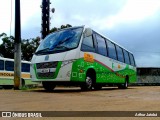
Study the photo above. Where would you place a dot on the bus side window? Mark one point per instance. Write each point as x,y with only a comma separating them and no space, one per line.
120,54
111,50
132,59
101,44
87,44
126,56
9,65
25,67
1,65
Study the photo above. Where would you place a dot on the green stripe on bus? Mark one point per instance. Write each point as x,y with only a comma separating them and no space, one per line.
104,74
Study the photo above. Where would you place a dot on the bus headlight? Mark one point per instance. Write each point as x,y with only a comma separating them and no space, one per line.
64,63
32,66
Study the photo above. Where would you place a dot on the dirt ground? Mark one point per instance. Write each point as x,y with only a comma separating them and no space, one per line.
73,99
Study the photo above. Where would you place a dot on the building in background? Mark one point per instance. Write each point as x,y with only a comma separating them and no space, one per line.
148,75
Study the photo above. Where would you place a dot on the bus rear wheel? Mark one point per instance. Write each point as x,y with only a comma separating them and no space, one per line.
123,86
97,87
8,86
88,84
48,86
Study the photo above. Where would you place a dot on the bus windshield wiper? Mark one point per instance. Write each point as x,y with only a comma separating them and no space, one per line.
63,41
62,46
41,51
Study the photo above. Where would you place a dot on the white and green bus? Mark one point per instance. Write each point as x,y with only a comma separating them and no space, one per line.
7,73
81,56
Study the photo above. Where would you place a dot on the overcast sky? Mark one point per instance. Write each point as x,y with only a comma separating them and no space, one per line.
134,24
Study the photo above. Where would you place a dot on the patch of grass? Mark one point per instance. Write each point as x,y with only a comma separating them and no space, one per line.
27,87
24,88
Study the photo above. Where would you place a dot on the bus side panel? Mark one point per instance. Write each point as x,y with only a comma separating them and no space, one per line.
107,70
78,70
114,71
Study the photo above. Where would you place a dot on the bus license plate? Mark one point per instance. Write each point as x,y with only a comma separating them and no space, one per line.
45,71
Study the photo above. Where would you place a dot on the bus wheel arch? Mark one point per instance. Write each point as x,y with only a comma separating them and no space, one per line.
90,79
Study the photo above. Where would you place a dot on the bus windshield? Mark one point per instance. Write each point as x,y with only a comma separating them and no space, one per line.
60,41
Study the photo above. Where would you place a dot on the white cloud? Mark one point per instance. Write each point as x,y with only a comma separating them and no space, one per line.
79,18
133,11
138,10
148,60
5,13
29,8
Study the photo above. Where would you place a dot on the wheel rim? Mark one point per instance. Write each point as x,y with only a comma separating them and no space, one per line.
126,84
89,82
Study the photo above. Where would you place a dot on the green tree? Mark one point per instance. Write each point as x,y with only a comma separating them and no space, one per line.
29,47
62,27
7,46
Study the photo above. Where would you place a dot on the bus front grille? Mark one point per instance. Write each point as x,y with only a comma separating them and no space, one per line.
46,69
47,65
46,75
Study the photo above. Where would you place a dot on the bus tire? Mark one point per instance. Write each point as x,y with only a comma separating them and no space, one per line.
7,86
22,82
97,87
125,85
88,84
48,86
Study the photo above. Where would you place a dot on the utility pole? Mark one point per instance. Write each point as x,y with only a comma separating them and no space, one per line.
17,47
45,18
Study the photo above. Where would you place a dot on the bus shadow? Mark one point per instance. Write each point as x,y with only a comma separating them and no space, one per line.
73,90
58,91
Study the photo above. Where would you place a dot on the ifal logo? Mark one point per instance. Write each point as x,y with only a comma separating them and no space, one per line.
46,58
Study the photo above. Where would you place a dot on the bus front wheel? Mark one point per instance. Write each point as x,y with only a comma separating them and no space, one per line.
88,83
49,86
97,87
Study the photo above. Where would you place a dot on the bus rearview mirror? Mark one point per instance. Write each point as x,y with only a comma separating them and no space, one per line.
87,32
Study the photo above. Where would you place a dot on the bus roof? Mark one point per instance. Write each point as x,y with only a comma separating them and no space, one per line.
9,59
